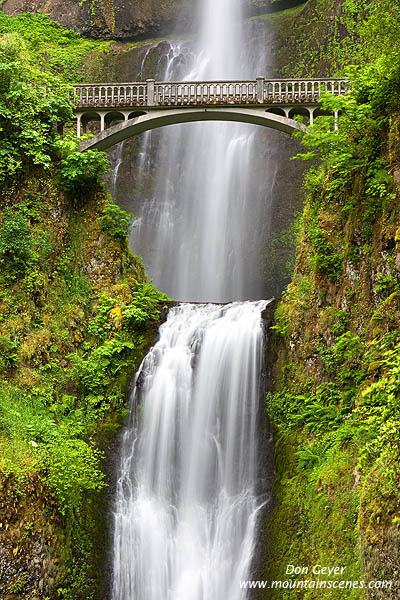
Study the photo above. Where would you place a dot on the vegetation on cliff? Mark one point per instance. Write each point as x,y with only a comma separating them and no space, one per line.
336,403
76,316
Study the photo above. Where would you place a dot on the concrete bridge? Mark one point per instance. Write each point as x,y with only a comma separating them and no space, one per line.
128,109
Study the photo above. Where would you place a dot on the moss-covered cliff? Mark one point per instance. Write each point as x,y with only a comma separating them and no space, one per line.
77,315
335,407
118,20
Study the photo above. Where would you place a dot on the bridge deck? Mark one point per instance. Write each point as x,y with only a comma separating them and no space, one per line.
151,93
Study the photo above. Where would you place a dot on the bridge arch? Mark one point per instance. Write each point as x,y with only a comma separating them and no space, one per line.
154,119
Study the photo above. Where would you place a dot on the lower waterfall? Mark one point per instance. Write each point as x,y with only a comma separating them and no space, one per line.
187,502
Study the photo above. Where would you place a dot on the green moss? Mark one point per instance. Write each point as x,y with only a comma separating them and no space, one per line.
53,47
278,16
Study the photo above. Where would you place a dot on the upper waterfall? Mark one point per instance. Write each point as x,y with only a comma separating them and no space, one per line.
202,226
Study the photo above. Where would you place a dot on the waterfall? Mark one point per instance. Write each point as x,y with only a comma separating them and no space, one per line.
188,494
187,503
202,230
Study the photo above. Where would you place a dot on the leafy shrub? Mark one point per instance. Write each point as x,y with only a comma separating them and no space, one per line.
100,325
310,456
102,364
146,299
8,353
386,283
29,116
281,320
72,466
80,171
325,258
16,243
115,221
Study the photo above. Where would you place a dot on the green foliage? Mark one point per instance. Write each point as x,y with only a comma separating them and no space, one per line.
16,244
325,258
18,586
100,324
28,115
387,284
32,104
316,412
379,410
145,306
72,466
341,322
52,47
115,221
81,171
102,364
281,320
337,445
352,148
345,360
133,315
8,354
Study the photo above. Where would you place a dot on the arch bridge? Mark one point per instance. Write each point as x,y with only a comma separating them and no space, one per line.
127,109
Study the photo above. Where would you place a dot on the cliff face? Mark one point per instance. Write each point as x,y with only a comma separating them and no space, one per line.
120,20
107,19
335,406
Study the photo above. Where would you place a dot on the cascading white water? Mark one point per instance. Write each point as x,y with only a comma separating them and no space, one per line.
186,506
202,231
187,497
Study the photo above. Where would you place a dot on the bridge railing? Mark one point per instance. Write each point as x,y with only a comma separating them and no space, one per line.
205,92
260,91
127,94
297,90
